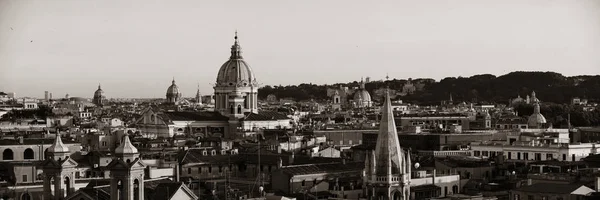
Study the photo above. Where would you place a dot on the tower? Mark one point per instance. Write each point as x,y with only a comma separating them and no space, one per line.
58,170
126,172
98,96
198,96
173,94
388,168
236,88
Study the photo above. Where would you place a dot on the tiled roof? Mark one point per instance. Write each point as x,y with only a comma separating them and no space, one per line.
195,156
6,142
166,190
556,188
324,168
264,116
96,193
194,116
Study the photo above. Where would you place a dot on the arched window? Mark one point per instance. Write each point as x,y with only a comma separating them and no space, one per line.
67,186
246,102
26,196
239,109
7,154
120,189
28,154
232,109
455,189
136,189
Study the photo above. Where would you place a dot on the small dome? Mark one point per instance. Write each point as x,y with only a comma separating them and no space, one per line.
236,72
58,146
536,120
173,90
126,147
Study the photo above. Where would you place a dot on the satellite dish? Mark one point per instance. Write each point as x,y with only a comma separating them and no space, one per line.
417,165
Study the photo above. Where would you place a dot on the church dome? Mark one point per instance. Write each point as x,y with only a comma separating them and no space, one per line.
99,93
236,72
362,95
173,90
536,120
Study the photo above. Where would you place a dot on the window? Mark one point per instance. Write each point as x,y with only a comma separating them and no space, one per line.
303,183
220,169
28,154
7,154
517,197
209,169
476,153
199,170
549,156
189,170
529,197
24,178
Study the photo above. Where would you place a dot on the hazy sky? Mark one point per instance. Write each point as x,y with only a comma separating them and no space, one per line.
135,47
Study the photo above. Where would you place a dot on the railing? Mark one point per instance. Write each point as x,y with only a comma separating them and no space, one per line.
446,153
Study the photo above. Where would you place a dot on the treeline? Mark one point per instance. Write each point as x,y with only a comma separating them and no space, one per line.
486,88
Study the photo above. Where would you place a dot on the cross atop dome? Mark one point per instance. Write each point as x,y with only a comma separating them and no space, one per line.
236,50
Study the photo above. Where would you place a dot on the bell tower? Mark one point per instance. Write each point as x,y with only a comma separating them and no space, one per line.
126,173
58,171
388,167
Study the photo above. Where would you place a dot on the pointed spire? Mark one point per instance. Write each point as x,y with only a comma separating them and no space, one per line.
126,147
58,146
99,86
388,151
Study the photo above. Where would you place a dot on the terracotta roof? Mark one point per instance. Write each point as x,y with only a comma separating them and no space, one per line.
556,188
166,190
194,116
49,141
324,168
264,116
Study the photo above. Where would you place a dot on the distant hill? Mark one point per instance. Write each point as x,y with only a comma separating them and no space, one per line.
487,88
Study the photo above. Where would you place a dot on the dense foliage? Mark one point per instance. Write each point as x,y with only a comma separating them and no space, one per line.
486,88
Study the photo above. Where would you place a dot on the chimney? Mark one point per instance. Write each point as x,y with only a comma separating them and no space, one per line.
597,184
278,149
529,182
291,158
279,163
177,172
20,139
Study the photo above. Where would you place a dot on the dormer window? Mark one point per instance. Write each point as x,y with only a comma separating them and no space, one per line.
204,153
213,152
223,152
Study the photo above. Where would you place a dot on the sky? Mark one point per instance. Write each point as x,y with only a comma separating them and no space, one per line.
134,48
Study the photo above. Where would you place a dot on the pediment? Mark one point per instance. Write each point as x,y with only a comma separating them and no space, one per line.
69,163
79,195
138,164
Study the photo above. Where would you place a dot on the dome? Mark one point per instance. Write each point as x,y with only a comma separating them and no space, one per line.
362,95
126,147
536,120
99,92
58,146
173,89
236,72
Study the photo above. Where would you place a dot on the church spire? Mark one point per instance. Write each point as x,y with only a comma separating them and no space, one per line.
388,151
236,50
